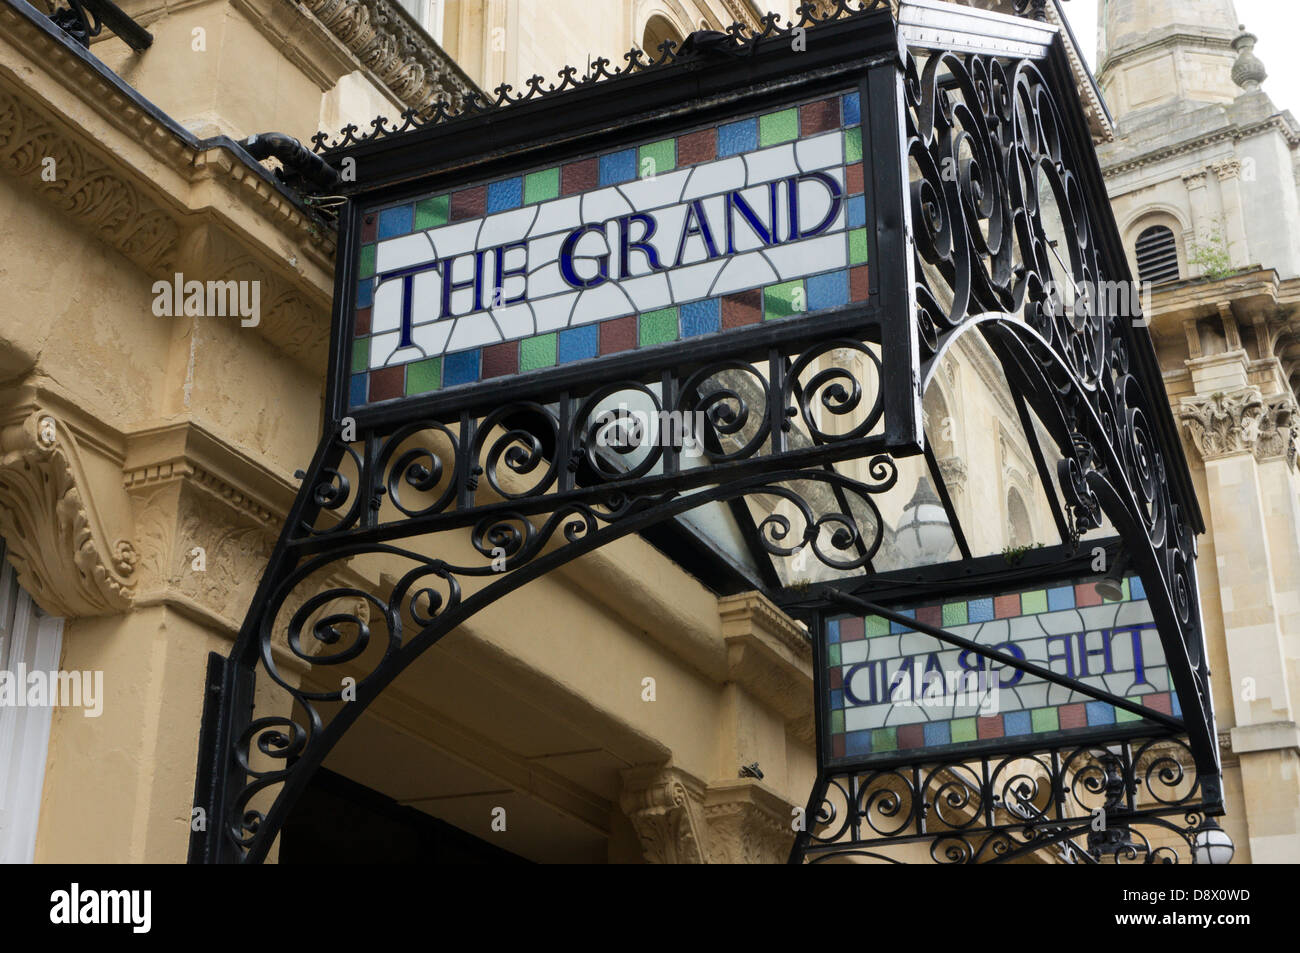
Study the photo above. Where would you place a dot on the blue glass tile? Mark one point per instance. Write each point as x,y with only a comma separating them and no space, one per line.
837,699
979,610
358,389
1173,701
737,137
365,293
1060,598
833,631
938,733
895,628
1135,588
618,167
460,368
1101,713
396,221
857,211
701,317
828,291
503,196
857,742
1016,723
852,109
578,343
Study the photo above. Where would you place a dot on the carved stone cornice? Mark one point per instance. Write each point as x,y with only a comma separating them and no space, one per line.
770,657
383,37
72,558
1221,424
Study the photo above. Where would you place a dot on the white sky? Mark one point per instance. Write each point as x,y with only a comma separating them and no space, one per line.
1275,22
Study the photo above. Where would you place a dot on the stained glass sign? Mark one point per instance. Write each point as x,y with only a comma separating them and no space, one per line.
754,219
895,691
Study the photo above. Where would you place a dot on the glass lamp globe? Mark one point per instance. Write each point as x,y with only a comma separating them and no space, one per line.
1212,845
924,534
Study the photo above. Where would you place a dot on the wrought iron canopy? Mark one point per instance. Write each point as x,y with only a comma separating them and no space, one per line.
956,139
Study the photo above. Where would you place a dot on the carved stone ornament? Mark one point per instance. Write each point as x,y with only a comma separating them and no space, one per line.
1220,424
1277,429
666,814
53,534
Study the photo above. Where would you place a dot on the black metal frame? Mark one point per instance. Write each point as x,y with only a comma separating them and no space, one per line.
518,464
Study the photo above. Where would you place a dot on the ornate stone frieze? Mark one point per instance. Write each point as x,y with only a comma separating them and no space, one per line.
54,535
383,37
1220,424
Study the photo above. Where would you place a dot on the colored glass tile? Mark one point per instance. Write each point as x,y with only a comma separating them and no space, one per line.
837,699
737,137
779,301
542,186
696,147
954,613
963,729
851,630
1006,607
830,290
365,292
424,376
877,626
852,108
360,355
776,128
884,739
577,344
979,610
910,736
1177,708
369,227
701,317
468,203
1086,594
366,261
1123,717
537,352
938,733
990,727
1060,597
579,176
617,335
460,367
837,746
745,307
505,195
395,221
930,615
853,145
387,383
820,116
1159,702
361,322
833,654
500,359
858,246
897,628
1033,602
1016,723
659,326
1135,589
836,677
1122,598
656,158
837,722
857,742
618,167
432,212
1044,719
857,211
357,390
853,179
1073,716
859,283
1100,713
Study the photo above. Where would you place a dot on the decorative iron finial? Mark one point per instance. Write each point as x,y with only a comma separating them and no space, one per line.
1248,72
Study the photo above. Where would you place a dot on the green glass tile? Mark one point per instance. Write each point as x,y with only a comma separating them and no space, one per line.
366,262
1031,602
1044,719
537,352
783,300
424,376
884,739
833,654
954,613
877,626
656,158
360,355
432,212
853,144
837,722
541,186
963,729
1123,598
658,326
1122,716
858,246
778,127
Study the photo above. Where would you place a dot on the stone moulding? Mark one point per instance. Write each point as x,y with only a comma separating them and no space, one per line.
1241,421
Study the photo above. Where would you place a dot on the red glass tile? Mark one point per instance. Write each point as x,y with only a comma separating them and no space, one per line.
617,335
837,678
989,727
743,308
930,615
854,178
818,117
1005,607
1073,716
387,383
697,147
1086,594
362,324
1159,702
468,203
911,736
369,227
837,746
500,359
579,176
859,283
851,630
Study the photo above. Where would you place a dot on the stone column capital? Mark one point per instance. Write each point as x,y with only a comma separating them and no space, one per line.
1227,168
1222,424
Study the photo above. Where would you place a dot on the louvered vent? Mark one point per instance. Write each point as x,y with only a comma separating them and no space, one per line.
1157,255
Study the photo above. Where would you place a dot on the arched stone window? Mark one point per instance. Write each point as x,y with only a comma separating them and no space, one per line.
1020,531
657,30
1157,255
